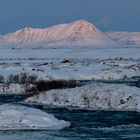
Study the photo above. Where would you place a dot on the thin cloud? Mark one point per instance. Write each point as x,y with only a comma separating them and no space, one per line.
105,22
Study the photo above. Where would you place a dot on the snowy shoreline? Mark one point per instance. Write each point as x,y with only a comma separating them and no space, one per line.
49,106
94,96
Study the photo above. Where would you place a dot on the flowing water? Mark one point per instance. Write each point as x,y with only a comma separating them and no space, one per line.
85,125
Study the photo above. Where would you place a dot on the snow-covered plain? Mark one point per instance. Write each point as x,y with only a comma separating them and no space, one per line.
17,117
93,96
82,64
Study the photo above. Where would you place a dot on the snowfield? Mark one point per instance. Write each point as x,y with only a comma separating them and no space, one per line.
72,64
93,96
17,117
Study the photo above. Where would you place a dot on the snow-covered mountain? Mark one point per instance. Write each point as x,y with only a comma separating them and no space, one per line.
125,38
78,33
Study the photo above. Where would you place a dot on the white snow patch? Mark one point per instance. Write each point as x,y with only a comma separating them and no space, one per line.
17,117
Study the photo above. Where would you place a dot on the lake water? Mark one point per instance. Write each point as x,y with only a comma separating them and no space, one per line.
85,125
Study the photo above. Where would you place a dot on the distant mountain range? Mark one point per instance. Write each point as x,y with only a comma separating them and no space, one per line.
78,33
125,38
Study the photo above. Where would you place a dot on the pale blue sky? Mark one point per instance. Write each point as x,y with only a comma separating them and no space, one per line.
105,14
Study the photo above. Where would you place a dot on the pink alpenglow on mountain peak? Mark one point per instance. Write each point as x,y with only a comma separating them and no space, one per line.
78,33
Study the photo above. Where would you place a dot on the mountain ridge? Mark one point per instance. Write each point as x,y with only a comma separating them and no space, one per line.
78,33
125,37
